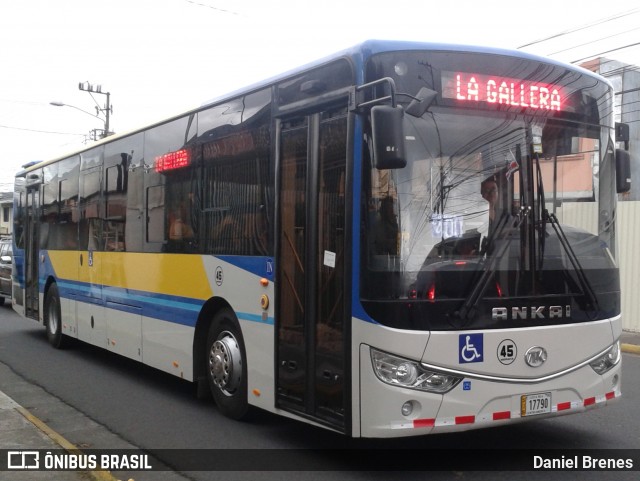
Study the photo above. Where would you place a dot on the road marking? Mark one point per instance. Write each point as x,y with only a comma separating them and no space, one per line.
7,403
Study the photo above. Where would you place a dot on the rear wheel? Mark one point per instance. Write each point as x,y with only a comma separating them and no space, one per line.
226,365
53,319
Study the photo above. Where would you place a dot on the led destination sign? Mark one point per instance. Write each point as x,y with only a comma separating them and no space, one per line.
492,89
173,160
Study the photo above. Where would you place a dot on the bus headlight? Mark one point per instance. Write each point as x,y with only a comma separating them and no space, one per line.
609,359
401,372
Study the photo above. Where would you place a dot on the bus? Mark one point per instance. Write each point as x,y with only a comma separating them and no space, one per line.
400,239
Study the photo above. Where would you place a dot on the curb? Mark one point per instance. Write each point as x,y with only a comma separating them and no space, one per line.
63,443
630,348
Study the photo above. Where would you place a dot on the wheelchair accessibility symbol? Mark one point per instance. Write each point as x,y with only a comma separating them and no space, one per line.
471,348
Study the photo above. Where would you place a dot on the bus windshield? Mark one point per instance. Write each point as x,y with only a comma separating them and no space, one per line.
499,219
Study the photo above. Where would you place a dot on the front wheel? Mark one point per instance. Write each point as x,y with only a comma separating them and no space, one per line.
227,366
53,319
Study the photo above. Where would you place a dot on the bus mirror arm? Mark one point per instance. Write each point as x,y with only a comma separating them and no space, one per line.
357,96
386,122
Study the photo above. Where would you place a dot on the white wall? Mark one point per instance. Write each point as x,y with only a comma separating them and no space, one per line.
629,261
584,215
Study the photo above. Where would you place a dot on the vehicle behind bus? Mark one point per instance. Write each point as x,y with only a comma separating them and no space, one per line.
6,257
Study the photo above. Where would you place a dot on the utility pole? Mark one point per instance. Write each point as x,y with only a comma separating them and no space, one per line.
106,110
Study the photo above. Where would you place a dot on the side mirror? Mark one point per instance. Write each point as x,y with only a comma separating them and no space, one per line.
622,133
418,106
623,171
388,137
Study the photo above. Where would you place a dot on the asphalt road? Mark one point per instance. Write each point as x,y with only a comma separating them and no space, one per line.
145,408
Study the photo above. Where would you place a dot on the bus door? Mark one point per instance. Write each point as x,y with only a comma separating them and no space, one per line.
311,318
31,246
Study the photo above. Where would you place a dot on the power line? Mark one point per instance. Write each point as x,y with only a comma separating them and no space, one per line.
606,52
626,104
594,41
584,27
39,131
27,102
618,71
627,91
213,8
631,121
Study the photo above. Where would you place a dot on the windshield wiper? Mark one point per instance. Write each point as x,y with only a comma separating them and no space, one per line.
587,289
544,216
468,309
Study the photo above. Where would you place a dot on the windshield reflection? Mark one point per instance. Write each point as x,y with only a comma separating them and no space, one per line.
459,206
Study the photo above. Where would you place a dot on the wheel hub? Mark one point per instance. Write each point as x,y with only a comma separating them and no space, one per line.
225,363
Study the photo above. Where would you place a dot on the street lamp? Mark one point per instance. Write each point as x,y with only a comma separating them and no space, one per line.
62,104
108,108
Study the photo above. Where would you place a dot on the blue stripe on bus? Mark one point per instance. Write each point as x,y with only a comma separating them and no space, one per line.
170,308
175,309
254,318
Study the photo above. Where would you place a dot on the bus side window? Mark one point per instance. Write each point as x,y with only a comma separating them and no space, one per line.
113,236
180,236
90,218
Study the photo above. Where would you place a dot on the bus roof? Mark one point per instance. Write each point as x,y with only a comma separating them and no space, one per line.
372,47
358,53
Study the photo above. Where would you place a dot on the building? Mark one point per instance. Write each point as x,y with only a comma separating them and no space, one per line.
626,82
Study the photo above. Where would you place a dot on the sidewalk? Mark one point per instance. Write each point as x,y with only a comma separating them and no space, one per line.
630,342
19,433
32,419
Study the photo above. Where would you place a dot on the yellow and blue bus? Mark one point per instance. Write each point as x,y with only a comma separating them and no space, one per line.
400,239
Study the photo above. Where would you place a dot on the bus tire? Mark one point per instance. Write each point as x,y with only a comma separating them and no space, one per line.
53,319
226,365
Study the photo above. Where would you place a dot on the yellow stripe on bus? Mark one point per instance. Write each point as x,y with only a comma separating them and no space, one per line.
176,274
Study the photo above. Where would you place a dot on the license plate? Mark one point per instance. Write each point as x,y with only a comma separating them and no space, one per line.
534,404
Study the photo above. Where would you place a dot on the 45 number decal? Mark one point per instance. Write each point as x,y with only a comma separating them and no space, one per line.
507,352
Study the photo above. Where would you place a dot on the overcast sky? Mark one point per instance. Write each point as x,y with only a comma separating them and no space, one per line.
160,57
